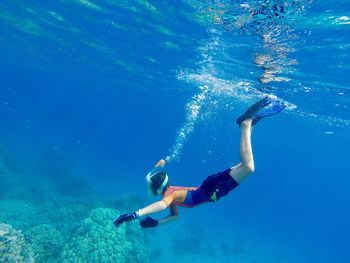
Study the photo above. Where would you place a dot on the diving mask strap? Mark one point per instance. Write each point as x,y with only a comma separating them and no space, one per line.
159,167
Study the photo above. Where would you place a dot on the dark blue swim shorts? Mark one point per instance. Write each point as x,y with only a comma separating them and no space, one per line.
221,183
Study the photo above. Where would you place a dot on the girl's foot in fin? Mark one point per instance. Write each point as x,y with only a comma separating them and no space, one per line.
268,106
251,112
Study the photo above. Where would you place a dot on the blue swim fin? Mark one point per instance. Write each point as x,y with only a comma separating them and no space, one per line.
268,106
275,107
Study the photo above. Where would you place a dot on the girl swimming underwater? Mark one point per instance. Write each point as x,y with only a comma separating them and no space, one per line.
214,186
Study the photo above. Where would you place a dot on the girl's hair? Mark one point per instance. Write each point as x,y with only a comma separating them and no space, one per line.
157,181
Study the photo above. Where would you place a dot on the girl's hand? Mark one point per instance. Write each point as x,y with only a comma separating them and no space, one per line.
125,218
149,222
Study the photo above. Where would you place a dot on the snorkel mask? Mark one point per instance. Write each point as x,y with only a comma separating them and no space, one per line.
158,168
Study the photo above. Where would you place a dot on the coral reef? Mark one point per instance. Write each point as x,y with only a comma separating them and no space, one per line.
20,214
46,241
64,213
61,220
97,240
67,236
13,246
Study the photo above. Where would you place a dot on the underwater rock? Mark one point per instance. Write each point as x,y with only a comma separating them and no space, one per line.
235,248
191,242
55,164
56,170
188,244
46,242
13,246
97,240
10,178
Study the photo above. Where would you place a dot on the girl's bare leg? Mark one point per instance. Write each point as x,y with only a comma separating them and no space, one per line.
246,166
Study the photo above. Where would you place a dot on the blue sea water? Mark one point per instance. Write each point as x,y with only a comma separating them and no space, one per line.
94,93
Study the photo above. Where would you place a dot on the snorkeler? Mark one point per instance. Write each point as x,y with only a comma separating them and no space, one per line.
213,187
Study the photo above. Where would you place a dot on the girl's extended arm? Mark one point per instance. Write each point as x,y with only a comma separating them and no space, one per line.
148,221
152,208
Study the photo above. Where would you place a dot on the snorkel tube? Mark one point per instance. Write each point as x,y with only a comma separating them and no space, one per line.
158,168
